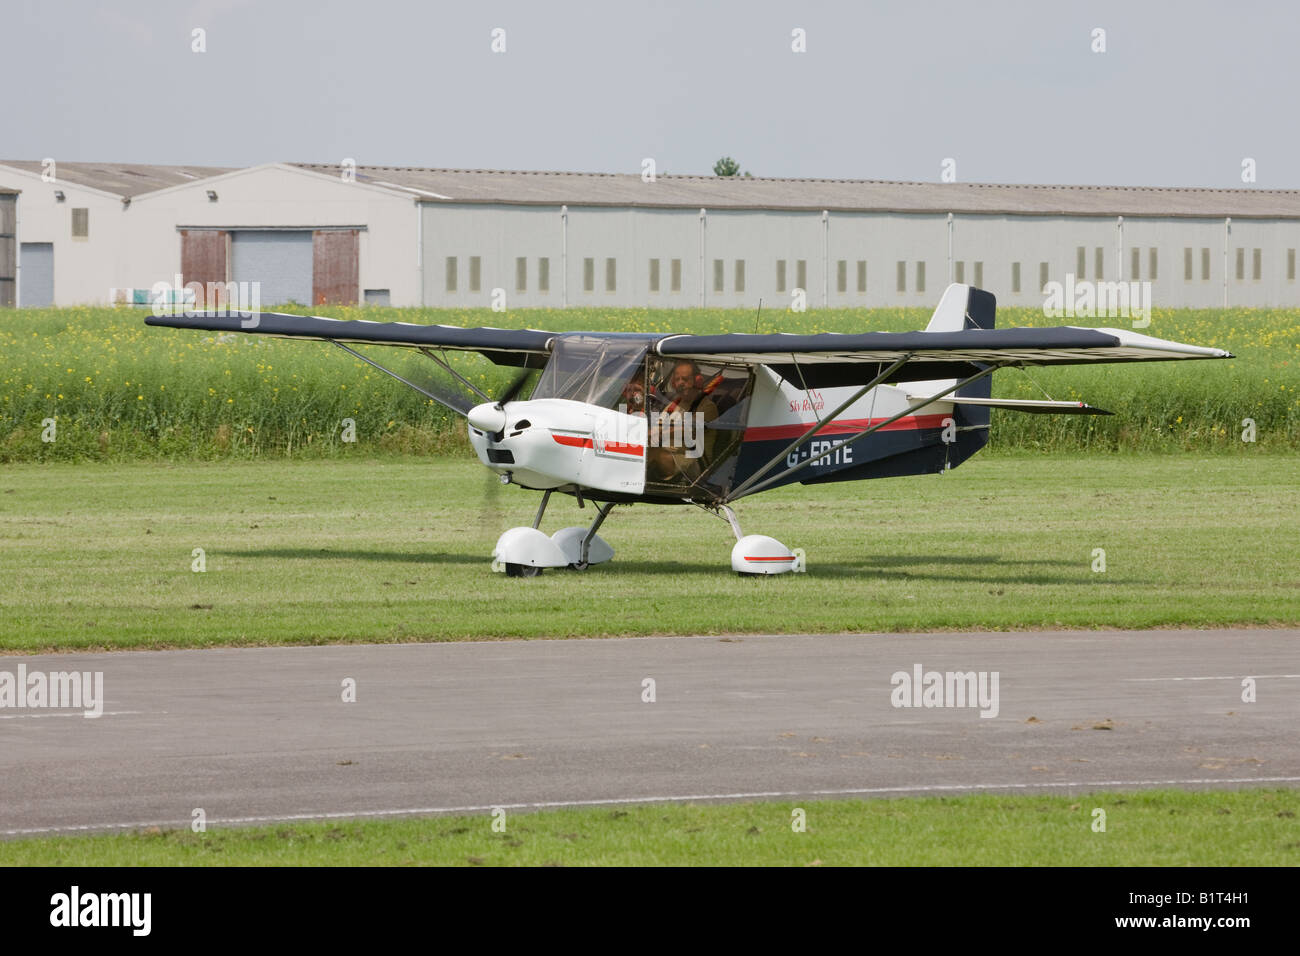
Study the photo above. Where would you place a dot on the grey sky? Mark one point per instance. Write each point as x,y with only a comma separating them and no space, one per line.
1011,90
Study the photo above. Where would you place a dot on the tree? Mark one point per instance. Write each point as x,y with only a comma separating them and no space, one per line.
726,166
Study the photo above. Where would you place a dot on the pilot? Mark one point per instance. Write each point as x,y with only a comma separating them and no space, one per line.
685,446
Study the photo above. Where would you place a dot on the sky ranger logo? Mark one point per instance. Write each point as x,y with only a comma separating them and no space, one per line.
946,689
812,401
1084,299
57,689
103,909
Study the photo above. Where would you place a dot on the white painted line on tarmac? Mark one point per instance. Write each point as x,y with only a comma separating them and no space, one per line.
78,713
1138,680
623,801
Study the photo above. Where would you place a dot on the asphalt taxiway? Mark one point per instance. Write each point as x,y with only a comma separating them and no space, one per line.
266,734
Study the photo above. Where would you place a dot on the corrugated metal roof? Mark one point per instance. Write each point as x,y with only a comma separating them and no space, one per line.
862,195
717,192
121,179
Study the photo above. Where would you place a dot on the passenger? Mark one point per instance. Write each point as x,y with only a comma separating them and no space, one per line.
684,442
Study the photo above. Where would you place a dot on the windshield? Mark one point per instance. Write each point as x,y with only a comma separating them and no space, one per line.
594,369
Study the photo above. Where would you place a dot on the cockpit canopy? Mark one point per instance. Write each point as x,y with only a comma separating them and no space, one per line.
593,369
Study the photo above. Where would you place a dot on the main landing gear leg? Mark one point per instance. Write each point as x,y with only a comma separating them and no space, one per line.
541,509
601,513
731,520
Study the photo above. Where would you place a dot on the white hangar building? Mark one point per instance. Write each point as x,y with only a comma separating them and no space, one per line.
316,234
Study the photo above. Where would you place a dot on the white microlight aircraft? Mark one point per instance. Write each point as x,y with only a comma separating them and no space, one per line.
617,418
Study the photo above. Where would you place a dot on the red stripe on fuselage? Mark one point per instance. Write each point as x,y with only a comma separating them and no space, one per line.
787,558
843,426
611,447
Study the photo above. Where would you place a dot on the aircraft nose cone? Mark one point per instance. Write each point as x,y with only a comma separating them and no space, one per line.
488,417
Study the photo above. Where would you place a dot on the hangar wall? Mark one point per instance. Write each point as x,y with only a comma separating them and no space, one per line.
300,234
729,258
78,239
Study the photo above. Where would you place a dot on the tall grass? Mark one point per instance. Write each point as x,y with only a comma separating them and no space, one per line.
118,389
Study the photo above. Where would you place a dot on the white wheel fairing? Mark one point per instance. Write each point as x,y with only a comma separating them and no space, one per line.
569,541
759,554
528,547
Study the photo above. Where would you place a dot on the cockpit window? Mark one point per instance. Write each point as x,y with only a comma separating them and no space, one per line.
594,369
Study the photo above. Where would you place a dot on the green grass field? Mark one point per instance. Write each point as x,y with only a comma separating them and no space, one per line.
396,549
1154,828
119,390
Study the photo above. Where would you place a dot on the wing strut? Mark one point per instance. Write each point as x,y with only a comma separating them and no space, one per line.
779,456
442,361
440,400
748,486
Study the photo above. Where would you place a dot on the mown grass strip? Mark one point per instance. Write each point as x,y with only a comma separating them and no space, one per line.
1255,827
397,549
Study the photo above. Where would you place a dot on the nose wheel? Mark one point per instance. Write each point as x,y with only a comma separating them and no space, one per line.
522,571
524,552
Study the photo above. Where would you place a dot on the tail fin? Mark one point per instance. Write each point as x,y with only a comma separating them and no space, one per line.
962,307
950,315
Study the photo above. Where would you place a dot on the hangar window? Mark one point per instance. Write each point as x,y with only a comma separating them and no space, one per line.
543,274
780,275
1081,262
920,277
1241,263
80,223
862,275
1135,263
1099,260
959,272
654,275
475,273
740,275
1042,277
979,275
1257,264
521,274
717,275
1187,263
588,275
611,275
842,275
1015,277
902,277
1151,263
1290,264
676,275
801,274
451,273
1205,262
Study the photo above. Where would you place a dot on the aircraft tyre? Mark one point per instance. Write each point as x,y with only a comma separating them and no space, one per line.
522,571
